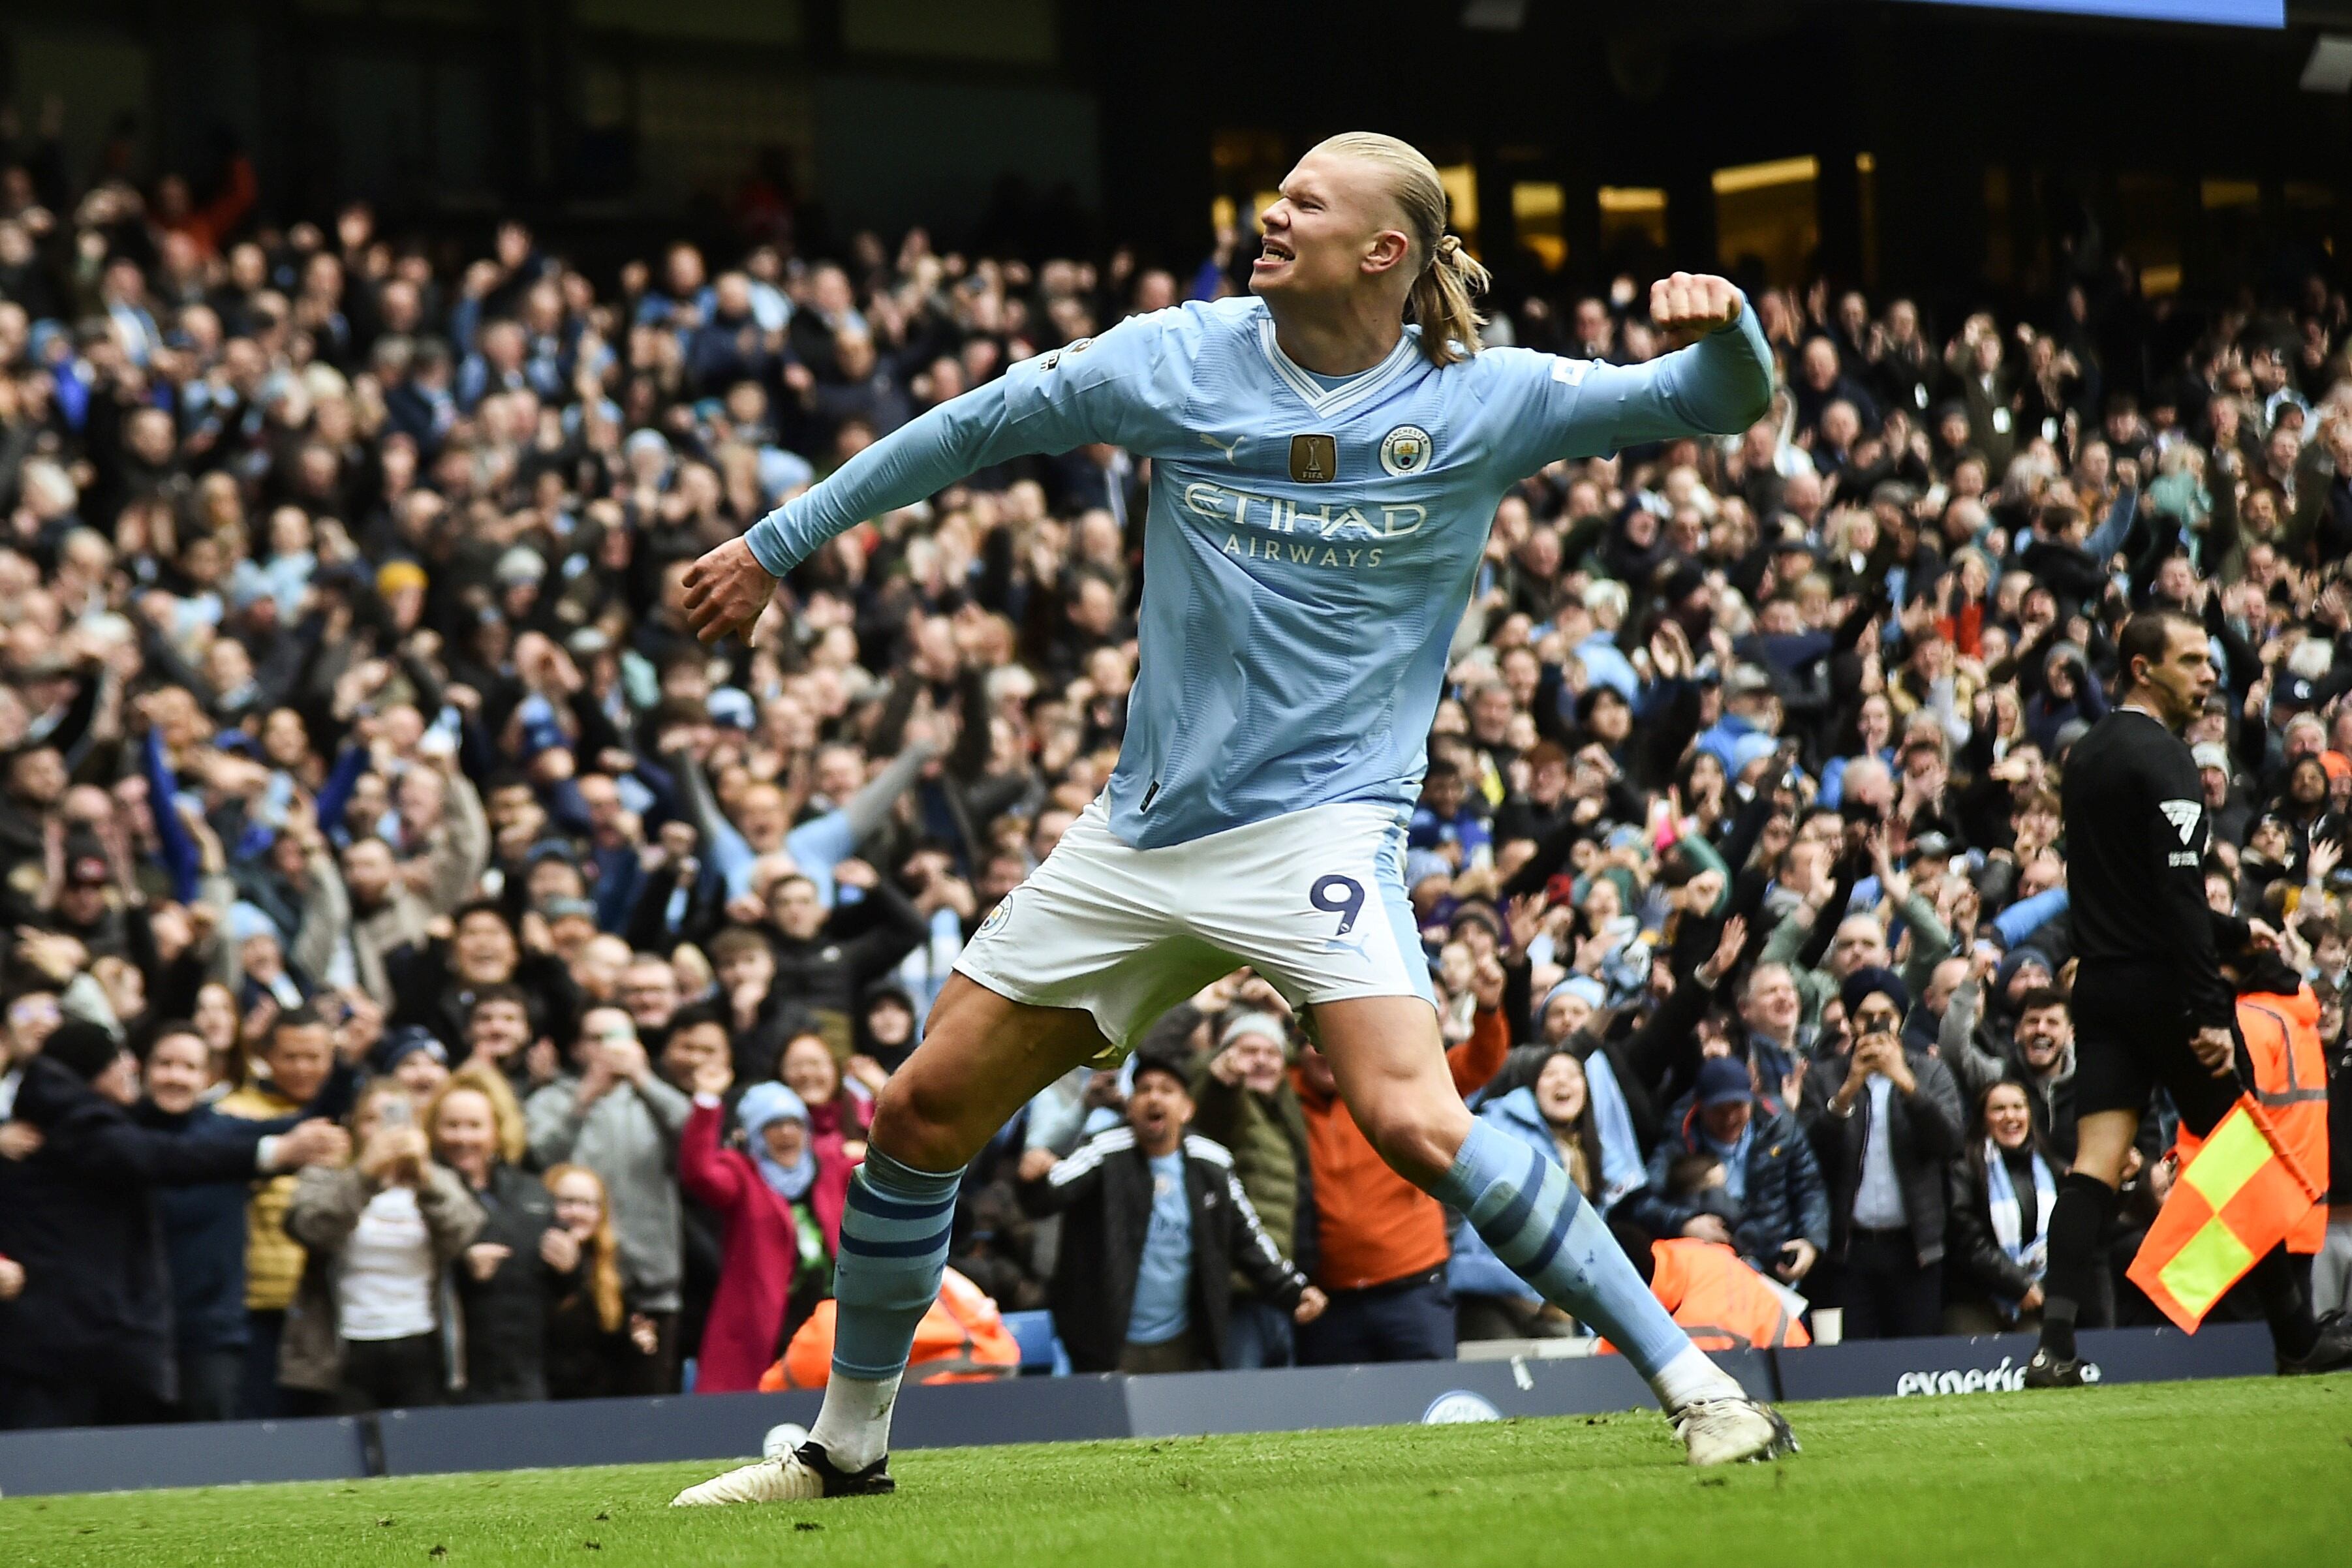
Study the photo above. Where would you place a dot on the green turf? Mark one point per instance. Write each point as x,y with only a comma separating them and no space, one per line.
2236,1473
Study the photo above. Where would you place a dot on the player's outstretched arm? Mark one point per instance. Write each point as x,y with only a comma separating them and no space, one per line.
1720,384
1087,392
728,587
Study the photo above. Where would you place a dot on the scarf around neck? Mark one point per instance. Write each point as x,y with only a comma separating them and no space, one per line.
2009,1216
763,1105
1620,1153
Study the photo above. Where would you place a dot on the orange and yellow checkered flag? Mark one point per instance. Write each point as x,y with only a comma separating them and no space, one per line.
2236,1199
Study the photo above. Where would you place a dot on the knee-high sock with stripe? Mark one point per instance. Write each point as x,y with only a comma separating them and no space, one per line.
1525,1207
894,1248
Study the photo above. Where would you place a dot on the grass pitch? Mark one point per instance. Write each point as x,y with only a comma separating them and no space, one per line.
2227,1473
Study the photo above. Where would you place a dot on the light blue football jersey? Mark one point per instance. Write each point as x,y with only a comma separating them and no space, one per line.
1310,544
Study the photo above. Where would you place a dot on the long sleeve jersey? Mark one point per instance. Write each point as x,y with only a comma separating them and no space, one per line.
1311,541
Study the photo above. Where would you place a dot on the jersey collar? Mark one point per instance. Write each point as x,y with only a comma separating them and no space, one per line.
1355,390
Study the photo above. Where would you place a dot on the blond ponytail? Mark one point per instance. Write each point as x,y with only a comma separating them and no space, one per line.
1445,290
1444,302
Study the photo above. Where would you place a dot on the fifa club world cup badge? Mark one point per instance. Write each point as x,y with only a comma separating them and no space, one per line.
1315,459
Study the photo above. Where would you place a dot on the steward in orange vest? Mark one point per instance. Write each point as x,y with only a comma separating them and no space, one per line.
2259,1179
2290,1069
1719,1301
963,1339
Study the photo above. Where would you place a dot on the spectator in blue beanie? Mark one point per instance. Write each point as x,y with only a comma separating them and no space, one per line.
1781,1221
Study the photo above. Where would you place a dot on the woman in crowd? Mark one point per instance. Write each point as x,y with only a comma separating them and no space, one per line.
810,1070
1871,735
366,1330
1632,1072
2302,804
215,1020
592,1338
886,1033
2001,1190
510,1272
781,1195
1553,1117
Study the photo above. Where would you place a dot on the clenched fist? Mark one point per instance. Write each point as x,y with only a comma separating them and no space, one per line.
726,590
559,1250
1687,305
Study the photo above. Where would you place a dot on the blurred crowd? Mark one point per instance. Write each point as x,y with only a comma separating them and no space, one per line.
430,975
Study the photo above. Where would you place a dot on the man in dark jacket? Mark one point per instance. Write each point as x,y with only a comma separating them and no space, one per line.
2040,1057
90,1342
1883,1120
1769,1174
204,1222
1244,1102
825,958
436,985
1155,1223
761,1015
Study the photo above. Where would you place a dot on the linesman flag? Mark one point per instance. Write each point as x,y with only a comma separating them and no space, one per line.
2242,1194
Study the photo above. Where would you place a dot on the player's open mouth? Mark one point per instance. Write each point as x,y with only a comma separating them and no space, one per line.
1273,253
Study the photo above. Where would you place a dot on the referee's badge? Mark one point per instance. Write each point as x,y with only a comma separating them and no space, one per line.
1406,450
1315,459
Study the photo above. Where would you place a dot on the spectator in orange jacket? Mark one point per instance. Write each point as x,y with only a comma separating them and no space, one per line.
1382,1242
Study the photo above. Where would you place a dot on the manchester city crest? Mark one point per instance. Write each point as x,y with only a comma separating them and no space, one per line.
1406,450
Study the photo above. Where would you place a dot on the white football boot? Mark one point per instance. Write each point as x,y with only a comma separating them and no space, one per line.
799,1474
1727,1430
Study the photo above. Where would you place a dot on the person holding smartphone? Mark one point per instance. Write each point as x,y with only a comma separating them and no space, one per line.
1884,1120
364,1331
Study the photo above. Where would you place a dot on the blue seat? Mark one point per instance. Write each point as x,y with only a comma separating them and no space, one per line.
1041,1347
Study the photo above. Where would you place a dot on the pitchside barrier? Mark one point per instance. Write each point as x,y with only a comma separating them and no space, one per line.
1500,1382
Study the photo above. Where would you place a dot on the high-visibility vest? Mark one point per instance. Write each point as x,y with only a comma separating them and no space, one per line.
2258,1180
1718,1300
2290,1069
963,1339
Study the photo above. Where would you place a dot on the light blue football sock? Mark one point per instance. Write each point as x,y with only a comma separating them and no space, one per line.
894,1248
1527,1209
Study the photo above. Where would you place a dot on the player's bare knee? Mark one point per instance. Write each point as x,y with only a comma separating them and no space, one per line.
1418,1145
915,1127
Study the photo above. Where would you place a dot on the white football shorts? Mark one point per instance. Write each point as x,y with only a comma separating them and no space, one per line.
1314,901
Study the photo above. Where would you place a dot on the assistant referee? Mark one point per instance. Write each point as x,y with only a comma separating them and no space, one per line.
2151,1007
